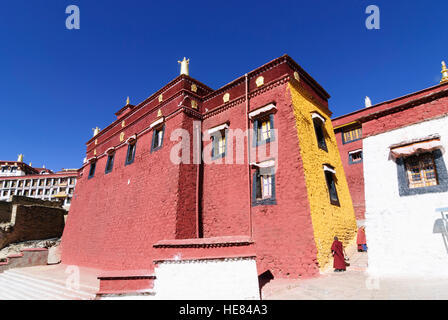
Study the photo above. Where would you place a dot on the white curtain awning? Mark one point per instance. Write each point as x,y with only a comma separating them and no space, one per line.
110,150
218,128
264,109
131,139
417,147
355,151
157,122
315,115
329,169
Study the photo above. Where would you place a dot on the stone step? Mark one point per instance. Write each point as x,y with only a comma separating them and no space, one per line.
52,281
35,288
57,282
21,291
9,293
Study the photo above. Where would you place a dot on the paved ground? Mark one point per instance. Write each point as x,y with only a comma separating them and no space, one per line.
355,284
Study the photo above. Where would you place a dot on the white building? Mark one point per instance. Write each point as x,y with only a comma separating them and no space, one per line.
18,178
402,197
404,181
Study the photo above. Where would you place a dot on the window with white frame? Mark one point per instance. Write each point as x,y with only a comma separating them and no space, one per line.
319,129
330,177
157,138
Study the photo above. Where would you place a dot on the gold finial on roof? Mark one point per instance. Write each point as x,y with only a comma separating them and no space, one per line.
96,131
20,158
184,66
127,101
444,73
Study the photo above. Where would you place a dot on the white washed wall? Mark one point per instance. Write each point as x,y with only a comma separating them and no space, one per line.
207,279
399,230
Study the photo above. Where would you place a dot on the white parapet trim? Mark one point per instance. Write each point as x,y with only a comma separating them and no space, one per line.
207,279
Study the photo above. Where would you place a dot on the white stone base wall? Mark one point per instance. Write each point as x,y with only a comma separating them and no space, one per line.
210,279
399,229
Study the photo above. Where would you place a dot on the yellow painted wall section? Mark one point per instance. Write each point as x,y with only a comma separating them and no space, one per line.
328,220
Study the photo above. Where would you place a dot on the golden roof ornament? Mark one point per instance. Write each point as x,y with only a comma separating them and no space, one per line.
184,66
96,131
159,113
444,73
367,102
20,158
127,101
226,97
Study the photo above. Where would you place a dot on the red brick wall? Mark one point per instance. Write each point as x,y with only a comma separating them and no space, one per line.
115,219
354,174
406,117
283,232
113,224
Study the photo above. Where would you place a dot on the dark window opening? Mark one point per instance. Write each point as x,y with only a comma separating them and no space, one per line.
320,134
157,138
355,157
332,191
92,170
130,155
110,163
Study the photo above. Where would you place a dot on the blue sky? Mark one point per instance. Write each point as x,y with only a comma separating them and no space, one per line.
58,84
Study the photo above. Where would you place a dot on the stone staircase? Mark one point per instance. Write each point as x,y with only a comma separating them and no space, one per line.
33,284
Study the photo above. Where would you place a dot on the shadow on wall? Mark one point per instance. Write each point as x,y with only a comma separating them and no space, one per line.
441,226
263,279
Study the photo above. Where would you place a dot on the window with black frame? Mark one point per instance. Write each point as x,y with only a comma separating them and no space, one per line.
110,163
157,138
92,169
330,177
319,129
130,155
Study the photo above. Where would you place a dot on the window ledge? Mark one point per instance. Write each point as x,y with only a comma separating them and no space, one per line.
264,202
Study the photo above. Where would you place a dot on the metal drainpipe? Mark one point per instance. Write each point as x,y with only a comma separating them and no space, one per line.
248,156
197,133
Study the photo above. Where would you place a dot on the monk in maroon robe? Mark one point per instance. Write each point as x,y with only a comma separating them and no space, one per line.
337,250
361,240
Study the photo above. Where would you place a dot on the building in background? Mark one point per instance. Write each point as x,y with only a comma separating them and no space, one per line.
21,179
394,154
